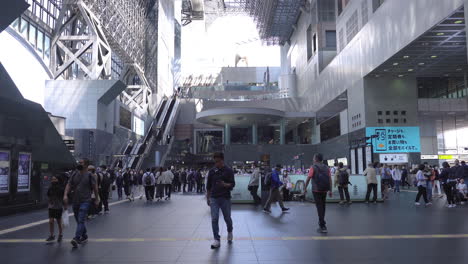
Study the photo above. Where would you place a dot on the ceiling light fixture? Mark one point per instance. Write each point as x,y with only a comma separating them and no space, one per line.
421,63
458,22
440,34
406,57
395,64
433,56
401,75
410,70
459,69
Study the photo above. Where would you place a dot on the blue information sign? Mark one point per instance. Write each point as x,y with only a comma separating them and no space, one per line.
395,139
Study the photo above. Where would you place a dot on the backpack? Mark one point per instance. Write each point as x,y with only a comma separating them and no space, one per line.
343,177
147,179
321,179
267,180
106,182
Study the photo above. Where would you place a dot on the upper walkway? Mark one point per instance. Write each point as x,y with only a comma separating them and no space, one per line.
179,231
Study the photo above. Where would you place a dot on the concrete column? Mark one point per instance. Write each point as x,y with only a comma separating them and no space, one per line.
227,134
254,134
282,131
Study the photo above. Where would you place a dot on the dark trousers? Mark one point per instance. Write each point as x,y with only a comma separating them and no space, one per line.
119,191
320,198
286,194
168,188
449,189
149,192
253,192
421,191
371,187
184,186
104,195
190,186
343,190
127,189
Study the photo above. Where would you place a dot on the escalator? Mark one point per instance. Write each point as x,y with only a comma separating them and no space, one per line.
162,135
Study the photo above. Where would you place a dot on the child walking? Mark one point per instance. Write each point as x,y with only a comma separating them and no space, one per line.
55,195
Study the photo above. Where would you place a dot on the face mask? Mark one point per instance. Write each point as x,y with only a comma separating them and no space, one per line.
79,167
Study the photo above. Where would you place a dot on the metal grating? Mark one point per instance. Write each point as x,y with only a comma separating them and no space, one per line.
274,18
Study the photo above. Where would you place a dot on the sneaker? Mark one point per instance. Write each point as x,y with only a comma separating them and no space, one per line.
322,230
106,212
417,204
50,239
74,243
266,211
350,202
83,240
60,238
341,202
230,237
428,204
285,209
216,244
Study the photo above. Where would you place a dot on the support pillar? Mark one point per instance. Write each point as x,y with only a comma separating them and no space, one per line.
227,134
296,135
282,131
254,134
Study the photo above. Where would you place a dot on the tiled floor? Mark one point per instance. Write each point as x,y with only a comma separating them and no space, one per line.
179,231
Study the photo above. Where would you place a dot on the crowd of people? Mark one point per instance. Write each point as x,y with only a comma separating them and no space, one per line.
87,189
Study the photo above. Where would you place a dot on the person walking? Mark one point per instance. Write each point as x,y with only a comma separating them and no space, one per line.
119,183
396,175
168,176
421,183
219,185
342,181
127,184
140,187
93,210
55,197
386,178
444,178
371,179
404,177
275,194
436,183
149,182
198,180
183,180
159,184
321,184
80,186
287,186
104,184
254,182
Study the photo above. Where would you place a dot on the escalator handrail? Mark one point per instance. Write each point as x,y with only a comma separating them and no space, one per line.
171,122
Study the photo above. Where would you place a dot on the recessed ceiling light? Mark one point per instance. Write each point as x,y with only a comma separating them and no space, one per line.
458,22
395,64
433,56
459,69
406,57
440,34
401,75
377,76
385,70
410,70
421,63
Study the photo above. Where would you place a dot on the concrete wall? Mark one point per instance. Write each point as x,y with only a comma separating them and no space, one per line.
377,41
165,47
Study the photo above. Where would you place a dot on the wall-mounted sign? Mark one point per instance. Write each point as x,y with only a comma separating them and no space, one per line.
4,171
448,157
344,161
24,172
395,139
393,158
429,157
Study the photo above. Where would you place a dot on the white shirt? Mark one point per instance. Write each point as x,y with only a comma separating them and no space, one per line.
396,174
462,188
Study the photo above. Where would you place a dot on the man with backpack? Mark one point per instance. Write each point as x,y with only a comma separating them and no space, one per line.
273,180
104,184
79,188
321,184
342,181
148,182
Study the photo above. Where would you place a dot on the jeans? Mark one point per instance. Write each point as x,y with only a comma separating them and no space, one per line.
436,184
429,190
275,195
397,186
254,193
371,187
168,188
320,198
119,191
80,211
225,205
104,195
159,190
344,189
422,191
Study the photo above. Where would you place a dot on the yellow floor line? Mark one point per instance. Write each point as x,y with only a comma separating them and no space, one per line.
21,227
309,238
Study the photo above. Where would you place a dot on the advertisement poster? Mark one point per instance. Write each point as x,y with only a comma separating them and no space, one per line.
4,171
395,139
24,172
